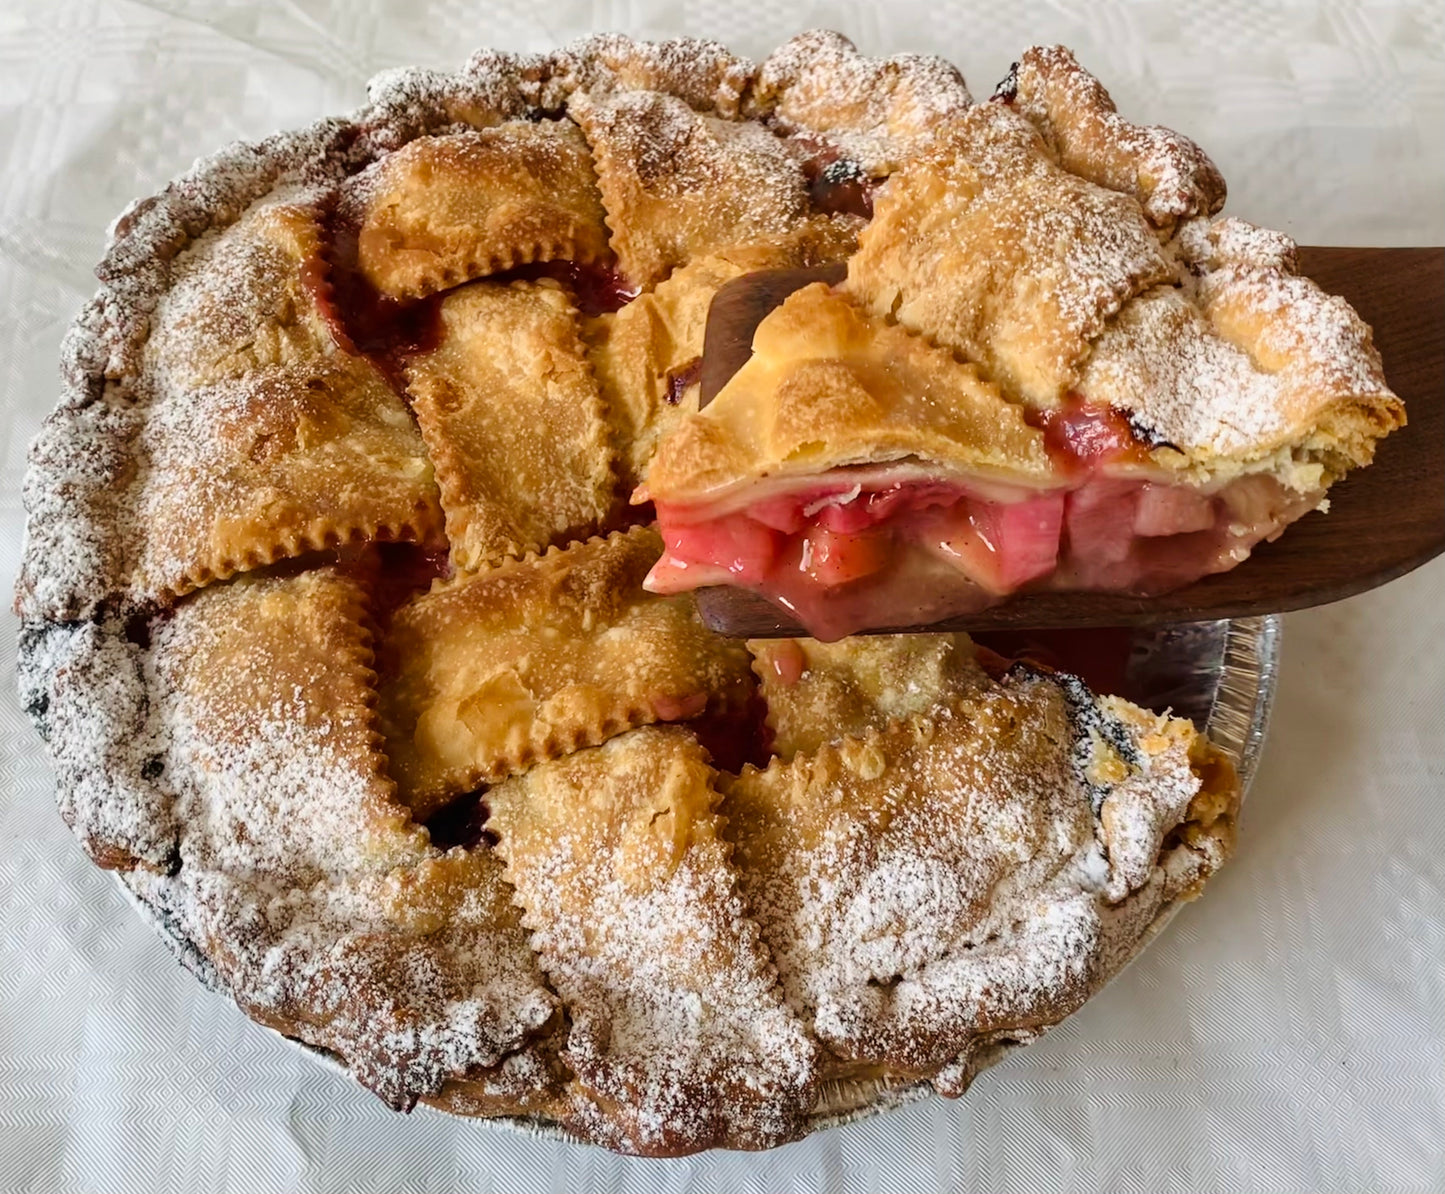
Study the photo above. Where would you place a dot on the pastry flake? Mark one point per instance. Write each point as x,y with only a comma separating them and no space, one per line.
985,245
818,693
679,1032
443,210
1170,176
537,657
678,184
510,414
280,461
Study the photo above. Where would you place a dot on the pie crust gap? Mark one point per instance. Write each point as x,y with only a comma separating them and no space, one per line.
534,658
952,880
679,1033
446,209
511,417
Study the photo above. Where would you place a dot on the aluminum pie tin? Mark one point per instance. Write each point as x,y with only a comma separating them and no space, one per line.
1221,675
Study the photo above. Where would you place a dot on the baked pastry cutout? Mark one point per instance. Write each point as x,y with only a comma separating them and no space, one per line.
1024,381
677,1018
335,625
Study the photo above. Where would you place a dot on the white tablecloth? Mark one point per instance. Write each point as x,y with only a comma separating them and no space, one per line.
1287,1032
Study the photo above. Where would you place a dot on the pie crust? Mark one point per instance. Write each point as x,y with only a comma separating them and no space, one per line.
1043,299
508,361
332,606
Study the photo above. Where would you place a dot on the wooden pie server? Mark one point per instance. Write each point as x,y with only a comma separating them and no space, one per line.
1383,521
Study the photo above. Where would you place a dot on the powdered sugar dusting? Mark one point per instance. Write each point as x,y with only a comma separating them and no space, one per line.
676,1019
947,878
222,752
1242,357
1167,172
875,110
84,686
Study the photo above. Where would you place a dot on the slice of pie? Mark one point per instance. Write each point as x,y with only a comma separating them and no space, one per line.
1024,381
333,606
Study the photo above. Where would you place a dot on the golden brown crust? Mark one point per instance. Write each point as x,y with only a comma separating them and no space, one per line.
538,657
279,461
705,75
220,746
261,656
647,356
443,210
311,889
1170,176
877,109
678,184
818,693
678,1029
511,417
986,246
829,385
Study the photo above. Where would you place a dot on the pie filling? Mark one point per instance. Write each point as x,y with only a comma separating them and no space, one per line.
873,547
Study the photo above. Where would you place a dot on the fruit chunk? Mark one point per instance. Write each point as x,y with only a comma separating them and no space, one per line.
1000,545
1172,510
834,558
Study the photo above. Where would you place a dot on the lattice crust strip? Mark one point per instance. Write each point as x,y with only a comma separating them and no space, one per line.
680,1037
512,419
257,437
537,657
443,210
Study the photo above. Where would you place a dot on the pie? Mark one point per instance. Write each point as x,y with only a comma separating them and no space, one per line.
336,609
1051,365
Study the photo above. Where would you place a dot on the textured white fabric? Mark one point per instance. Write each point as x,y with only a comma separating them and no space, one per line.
1287,1032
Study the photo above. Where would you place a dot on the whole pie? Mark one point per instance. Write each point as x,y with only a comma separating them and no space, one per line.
363,659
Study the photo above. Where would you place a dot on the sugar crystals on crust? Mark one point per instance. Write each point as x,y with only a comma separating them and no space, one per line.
679,1033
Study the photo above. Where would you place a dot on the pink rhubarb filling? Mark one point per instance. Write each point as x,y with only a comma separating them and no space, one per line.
870,548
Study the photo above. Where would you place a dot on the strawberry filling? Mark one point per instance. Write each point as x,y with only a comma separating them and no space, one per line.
880,547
